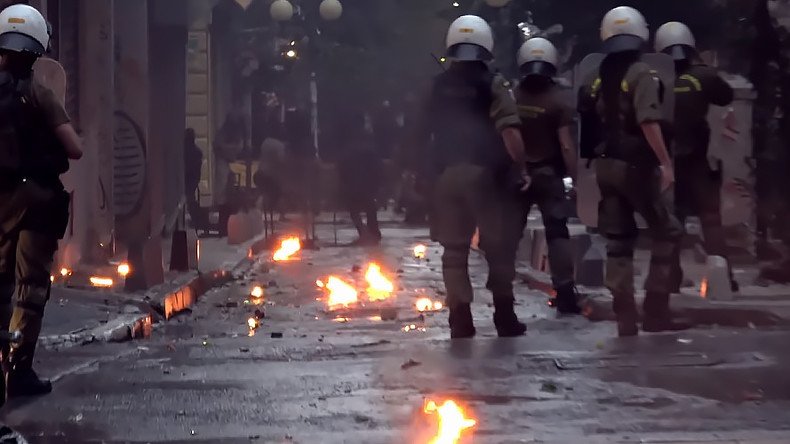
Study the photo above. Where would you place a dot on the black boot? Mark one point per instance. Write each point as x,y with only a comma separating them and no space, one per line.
658,317
461,324
505,319
567,301
627,316
21,379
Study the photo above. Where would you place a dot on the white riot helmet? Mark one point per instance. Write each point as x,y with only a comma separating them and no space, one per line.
538,56
470,39
23,29
676,39
623,29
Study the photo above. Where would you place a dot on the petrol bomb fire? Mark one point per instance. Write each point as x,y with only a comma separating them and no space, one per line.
257,292
426,304
124,269
451,419
341,294
288,248
379,287
101,282
64,272
420,251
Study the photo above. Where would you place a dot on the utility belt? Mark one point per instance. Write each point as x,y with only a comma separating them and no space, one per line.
629,148
555,163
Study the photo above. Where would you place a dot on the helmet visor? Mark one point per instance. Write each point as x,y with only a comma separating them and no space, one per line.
539,68
680,52
469,52
17,42
622,42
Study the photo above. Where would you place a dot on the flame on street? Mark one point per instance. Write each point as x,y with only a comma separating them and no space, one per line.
341,294
101,282
124,269
425,304
257,292
65,272
703,288
252,323
420,251
288,248
452,421
379,287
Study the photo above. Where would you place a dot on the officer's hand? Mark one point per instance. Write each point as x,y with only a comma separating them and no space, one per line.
525,181
667,177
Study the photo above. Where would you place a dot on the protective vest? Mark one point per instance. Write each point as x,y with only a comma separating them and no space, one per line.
29,148
463,129
539,129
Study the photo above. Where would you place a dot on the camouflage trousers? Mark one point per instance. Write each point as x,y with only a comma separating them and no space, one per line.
466,197
626,190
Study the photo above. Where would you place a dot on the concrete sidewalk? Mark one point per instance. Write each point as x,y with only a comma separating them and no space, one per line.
78,316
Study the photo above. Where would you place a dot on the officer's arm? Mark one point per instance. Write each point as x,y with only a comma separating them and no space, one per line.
504,112
567,142
717,90
70,140
648,113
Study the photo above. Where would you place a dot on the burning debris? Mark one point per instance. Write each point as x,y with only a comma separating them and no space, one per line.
101,282
452,421
379,287
341,294
256,295
425,304
420,251
124,270
65,272
288,248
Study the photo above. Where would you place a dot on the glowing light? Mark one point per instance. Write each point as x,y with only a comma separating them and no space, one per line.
374,318
425,304
65,272
257,292
420,251
456,4
379,287
124,269
288,248
252,323
291,54
101,282
52,278
341,294
443,59
703,288
452,421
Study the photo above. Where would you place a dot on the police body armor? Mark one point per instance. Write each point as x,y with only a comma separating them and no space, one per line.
592,130
462,126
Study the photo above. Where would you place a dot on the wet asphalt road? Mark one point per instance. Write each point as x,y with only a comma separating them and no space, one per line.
202,379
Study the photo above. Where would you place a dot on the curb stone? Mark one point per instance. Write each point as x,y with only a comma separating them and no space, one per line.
165,301
597,306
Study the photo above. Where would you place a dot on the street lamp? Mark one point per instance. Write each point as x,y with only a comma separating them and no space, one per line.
330,10
281,10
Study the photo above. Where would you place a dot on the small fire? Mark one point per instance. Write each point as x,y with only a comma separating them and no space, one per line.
288,248
101,282
379,287
452,421
420,251
257,292
252,323
65,272
124,269
341,294
703,288
425,304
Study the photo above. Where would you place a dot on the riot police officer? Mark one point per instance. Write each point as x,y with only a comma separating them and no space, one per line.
698,187
634,172
36,141
470,112
551,155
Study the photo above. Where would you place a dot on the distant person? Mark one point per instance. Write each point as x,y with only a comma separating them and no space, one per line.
270,175
360,170
193,166
228,146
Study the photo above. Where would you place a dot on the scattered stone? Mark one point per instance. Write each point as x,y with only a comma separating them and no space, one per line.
181,413
259,314
254,437
400,271
166,371
231,304
244,350
409,364
356,269
549,387
272,284
277,335
389,314
322,398
192,432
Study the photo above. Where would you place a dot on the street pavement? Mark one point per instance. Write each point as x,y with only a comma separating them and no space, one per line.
351,377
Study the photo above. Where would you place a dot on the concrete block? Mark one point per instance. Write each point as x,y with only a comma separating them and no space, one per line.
540,251
581,244
197,104
197,83
525,247
197,64
716,283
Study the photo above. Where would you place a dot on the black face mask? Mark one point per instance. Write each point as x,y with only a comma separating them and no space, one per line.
536,83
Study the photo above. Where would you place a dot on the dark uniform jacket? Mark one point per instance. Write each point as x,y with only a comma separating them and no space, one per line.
696,88
542,114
